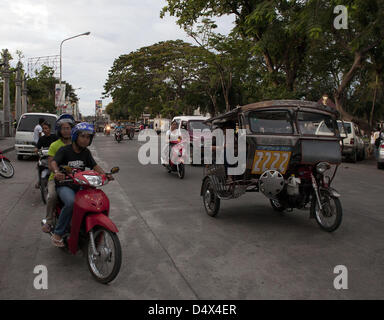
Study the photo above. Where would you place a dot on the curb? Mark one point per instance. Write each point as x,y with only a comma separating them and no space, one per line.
8,149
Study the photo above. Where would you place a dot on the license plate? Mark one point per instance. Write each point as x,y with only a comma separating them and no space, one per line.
270,160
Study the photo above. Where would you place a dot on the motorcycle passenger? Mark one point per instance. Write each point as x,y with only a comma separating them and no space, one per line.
44,142
75,155
63,127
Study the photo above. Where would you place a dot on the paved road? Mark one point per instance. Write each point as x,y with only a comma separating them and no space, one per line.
173,250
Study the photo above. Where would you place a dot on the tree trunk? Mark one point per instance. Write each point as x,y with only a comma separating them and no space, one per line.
347,78
374,101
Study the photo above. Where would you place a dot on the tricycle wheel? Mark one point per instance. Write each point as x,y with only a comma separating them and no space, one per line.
276,205
104,266
329,218
210,199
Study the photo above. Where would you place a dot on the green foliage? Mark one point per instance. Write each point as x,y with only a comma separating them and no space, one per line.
296,50
41,91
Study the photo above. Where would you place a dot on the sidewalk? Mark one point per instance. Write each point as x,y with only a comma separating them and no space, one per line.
7,144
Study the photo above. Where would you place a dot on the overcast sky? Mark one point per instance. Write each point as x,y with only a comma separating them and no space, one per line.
37,27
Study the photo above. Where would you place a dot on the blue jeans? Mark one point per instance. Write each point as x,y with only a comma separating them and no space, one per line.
67,195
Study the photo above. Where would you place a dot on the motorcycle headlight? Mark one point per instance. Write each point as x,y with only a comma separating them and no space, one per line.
94,181
322,167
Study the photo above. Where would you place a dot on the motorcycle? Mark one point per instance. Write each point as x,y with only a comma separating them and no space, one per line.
176,158
118,135
43,170
91,225
6,169
107,130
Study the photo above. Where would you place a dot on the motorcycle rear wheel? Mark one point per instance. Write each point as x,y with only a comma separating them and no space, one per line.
44,190
181,170
6,170
329,218
105,266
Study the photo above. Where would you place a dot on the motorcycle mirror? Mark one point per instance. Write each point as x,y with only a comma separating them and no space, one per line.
115,170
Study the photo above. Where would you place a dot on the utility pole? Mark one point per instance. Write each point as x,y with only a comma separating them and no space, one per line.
24,92
18,83
6,99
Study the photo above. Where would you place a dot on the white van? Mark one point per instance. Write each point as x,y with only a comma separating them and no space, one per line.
24,132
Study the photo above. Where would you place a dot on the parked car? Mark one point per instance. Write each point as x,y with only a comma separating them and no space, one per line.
24,144
354,147
191,123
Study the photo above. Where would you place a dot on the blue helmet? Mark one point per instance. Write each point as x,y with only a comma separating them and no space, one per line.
82,127
64,118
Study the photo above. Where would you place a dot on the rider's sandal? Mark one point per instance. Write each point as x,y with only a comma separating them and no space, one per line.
46,228
58,243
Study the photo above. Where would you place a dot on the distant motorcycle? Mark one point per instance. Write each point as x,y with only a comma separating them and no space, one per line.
6,169
42,167
176,159
118,135
107,130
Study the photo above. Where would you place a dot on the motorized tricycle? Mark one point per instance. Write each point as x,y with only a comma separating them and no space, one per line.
292,147
91,228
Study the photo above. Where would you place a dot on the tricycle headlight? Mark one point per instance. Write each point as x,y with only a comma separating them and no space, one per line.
322,167
94,181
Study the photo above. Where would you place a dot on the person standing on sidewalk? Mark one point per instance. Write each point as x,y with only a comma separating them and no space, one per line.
64,125
37,131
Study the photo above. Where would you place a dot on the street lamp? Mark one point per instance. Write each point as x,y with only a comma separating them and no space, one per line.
61,46
61,65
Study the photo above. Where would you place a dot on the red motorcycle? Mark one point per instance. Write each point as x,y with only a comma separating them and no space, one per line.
91,225
6,169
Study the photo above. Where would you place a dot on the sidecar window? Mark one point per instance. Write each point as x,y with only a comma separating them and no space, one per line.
271,122
315,124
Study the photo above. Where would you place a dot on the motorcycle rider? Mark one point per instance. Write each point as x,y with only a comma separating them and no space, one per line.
48,137
44,142
74,155
119,127
63,127
170,135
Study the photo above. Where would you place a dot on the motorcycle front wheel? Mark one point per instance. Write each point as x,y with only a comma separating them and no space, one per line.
105,265
329,218
6,169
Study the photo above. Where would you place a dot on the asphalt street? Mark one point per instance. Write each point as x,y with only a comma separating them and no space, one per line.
173,250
